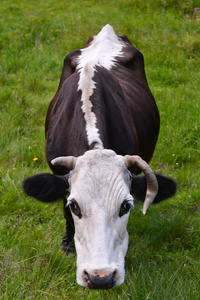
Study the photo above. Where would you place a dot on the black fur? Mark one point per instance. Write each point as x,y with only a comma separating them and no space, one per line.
167,187
68,237
46,187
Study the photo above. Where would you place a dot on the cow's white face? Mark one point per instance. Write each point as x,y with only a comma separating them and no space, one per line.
100,201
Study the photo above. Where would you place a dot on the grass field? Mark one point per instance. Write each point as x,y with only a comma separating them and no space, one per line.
163,259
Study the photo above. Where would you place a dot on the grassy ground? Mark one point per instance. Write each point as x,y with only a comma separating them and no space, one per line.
163,260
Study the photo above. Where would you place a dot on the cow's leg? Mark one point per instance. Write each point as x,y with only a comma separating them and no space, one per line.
68,237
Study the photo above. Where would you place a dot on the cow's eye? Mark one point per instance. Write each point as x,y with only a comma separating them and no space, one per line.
125,207
75,208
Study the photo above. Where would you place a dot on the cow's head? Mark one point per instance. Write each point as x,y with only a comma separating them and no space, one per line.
99,198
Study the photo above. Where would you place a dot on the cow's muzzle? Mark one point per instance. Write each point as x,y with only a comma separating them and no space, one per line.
100,279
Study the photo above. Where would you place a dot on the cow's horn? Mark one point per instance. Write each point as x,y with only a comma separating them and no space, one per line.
67,161
152,184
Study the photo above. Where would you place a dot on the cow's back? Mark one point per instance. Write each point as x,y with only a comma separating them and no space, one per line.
108,104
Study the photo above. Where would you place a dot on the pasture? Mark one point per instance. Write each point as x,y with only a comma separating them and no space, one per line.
163,259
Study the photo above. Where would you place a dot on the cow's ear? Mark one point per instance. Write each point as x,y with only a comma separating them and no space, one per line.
46,187
166,187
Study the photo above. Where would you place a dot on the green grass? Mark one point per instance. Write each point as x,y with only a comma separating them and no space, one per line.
163,259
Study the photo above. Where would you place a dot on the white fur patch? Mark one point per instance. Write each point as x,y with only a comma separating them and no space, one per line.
87,85
102,51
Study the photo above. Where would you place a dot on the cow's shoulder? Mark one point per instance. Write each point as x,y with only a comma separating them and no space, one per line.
69,67
132,59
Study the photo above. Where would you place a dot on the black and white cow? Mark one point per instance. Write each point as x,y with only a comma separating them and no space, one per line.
101,127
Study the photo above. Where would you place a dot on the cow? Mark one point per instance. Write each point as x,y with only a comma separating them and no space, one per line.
101,130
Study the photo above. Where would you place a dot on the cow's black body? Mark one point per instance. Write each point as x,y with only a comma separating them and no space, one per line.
127,116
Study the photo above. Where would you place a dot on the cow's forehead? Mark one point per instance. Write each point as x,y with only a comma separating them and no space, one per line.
100,178
98,160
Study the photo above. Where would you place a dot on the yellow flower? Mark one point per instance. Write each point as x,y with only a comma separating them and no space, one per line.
173,154
158,90
35,158
14,169
19,79
177,164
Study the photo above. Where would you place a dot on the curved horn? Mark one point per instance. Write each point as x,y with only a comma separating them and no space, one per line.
67,161
152,184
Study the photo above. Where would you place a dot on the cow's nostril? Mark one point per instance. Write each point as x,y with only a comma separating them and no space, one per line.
86,276
85,273
100,279
115,275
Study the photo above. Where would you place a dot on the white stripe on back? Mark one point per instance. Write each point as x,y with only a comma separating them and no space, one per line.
102,51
